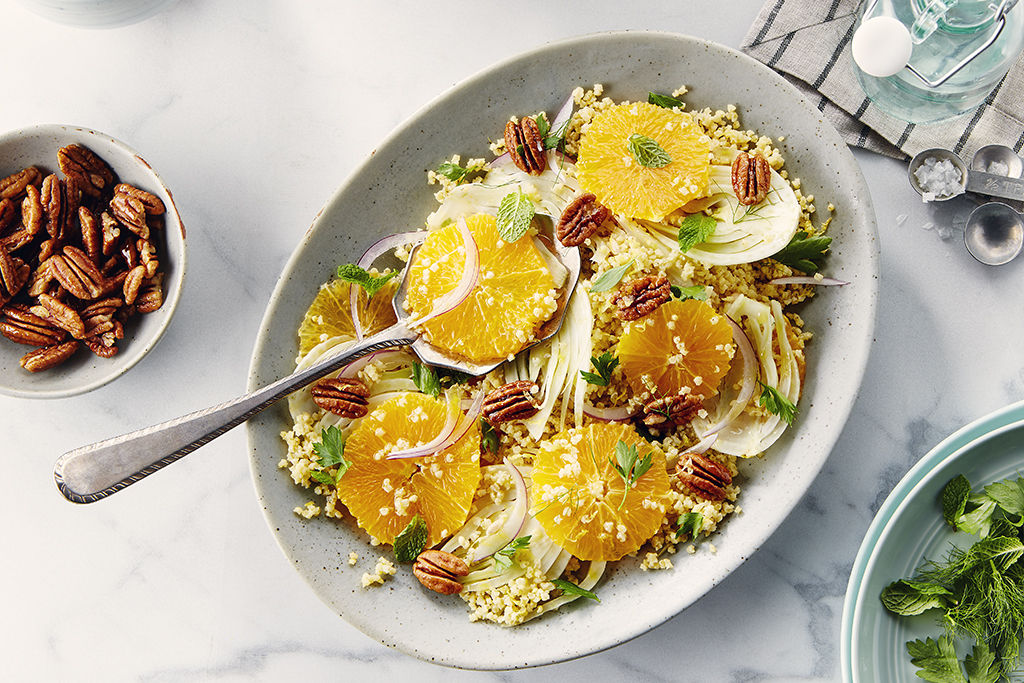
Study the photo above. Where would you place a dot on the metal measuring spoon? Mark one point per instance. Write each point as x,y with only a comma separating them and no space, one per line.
977,179
89,473
994,233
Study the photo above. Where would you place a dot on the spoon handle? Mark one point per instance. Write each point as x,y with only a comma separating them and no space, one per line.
89,473
995,185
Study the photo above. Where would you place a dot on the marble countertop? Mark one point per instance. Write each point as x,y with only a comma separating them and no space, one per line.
253,112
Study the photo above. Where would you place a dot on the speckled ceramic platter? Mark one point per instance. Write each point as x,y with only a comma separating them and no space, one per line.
390,189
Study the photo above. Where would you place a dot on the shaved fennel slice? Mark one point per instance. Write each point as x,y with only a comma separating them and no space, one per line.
550,192
748,434
662,240
594,573
746,233
579,325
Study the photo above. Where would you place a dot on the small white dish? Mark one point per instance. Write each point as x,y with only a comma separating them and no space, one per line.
37,146
97,13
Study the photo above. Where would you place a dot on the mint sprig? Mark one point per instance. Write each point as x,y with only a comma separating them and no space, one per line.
515,213
355,275
610,278
695,229
647,152
411,540
570,588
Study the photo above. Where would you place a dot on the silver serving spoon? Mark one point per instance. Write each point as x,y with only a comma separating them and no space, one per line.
89,473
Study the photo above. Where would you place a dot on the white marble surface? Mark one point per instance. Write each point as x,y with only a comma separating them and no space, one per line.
254,112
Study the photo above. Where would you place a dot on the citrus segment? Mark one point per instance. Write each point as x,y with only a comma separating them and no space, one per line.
607,167
384,495
582,501
330,314
682,347
514,294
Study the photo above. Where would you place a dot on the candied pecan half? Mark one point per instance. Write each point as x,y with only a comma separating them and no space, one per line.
20,325
13,186
91,174
751,178
678,409
439,571
58,313
14,273
342,396
704,476
48,356
580,219
642,296
524,144
8,211
513,401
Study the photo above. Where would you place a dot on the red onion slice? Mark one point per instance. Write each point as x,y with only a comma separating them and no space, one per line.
513,525
807,280
450,434
701,446
501,160
376,250
617,414
751,367
563,116
470,276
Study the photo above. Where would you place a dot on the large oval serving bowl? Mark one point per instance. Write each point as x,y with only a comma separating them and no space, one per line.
389,192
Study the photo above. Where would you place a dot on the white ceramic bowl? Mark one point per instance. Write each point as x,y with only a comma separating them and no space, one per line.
389,189
96,13
38,145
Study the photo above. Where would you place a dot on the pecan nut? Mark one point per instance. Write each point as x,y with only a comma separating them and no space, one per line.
678,409
751,178
439,571
642,296
14,273
77,273
525,145
13,186
131,212
580,219
98,317
91,174
513,401
58,313
151,294
48,356
704,476
20,325
341,396
8,212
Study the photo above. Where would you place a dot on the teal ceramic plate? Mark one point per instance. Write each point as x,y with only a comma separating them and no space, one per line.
909,528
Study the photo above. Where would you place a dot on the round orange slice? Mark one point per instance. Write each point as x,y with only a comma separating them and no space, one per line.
330,314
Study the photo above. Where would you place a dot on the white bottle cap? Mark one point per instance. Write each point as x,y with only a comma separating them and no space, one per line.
882,46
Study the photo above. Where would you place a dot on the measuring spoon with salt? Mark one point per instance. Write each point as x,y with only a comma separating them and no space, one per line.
978,178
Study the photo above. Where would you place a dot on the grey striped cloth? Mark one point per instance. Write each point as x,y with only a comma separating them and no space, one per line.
808,42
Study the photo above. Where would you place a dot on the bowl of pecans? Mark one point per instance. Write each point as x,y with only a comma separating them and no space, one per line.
92,260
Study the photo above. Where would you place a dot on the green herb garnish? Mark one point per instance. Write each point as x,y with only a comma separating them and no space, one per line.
488,437
355,275
426,380
938,662
666,101
776,403
698,292
629,465
331,451
570,588
505,558
695,229
803,252
453,172
690,524
411,540
552,138
610,278
515,213
647,152
604,364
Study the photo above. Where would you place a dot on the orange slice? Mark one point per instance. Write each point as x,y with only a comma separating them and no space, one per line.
514,295
578,495
384,495
608,168
330,314
682,347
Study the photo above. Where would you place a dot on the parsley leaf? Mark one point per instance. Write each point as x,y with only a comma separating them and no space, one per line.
776,403
666,101
690,524
647,152
488,437
551,138
570,588
322,477
357,276
803,252
604,364
331,450
937,660
695,229
505,558
515,212
453,172
411,540
611,277
697,292
629,465
426,380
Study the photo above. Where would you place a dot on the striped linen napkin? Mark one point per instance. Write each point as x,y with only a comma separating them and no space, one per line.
808,42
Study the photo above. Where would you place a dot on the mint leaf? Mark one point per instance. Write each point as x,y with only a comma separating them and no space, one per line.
515,213
776,403
937,660
604,364
666,101
426,380
331,451
411,540
1009,495
355,275
690,524
570,588
954,499
488,437
697,292
803,252
908,598
647,152
322,477
695,229
610,278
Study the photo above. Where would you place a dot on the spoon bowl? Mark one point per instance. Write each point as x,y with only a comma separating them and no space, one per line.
994,233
